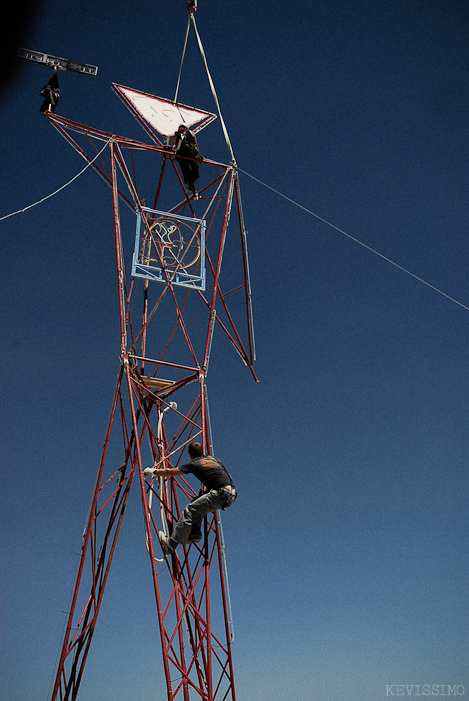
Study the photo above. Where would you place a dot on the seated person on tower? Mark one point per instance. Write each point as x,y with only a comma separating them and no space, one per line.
187,148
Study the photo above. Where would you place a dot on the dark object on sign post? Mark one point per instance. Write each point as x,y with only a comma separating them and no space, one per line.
51,93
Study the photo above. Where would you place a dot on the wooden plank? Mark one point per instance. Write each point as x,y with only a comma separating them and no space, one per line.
156,382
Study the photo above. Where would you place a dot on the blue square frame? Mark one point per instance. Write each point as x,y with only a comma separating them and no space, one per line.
156,272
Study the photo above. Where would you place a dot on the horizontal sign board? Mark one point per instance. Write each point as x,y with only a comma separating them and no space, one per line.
62,64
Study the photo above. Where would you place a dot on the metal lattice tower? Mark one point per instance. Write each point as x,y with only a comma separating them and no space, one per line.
173,295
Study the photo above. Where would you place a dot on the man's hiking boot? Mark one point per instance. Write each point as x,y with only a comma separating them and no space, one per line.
166,544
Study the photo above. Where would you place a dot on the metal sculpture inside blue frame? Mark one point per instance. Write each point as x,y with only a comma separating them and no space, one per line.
169,248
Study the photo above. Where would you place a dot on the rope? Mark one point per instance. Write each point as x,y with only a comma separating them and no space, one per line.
341,231
60,188
159,439
182,59
180,73
225,132
150,500
160,488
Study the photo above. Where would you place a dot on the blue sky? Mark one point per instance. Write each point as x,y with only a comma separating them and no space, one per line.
347,547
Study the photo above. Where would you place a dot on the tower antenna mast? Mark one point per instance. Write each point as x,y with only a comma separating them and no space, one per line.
173,295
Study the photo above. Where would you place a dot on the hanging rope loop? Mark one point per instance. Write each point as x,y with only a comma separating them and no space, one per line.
212,87
192,6
182,58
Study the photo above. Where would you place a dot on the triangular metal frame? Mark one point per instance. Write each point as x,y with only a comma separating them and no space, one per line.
158,114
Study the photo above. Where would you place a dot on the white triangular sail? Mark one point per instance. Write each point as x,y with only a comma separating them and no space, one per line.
163,115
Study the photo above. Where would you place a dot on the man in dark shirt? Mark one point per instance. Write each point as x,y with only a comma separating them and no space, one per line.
188,156
219,493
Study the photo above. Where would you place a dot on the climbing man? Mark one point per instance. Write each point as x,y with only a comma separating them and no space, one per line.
219,493
187,148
